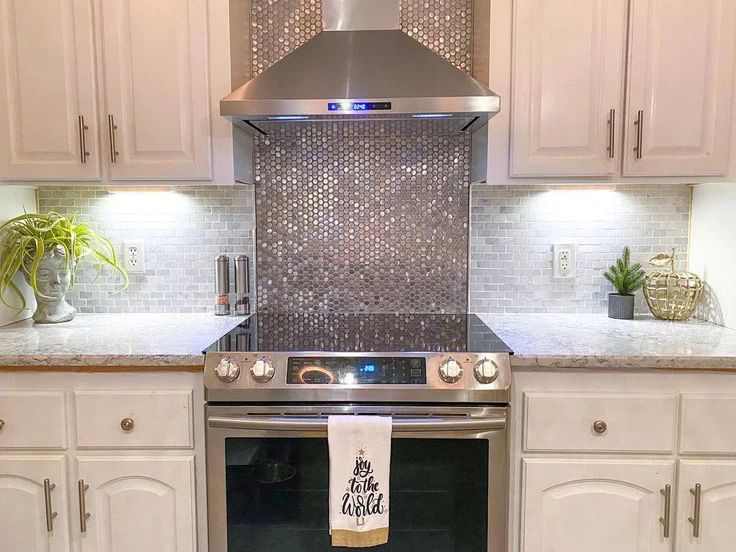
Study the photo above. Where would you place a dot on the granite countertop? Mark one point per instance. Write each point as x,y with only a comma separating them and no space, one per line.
596,341
171,341
114,340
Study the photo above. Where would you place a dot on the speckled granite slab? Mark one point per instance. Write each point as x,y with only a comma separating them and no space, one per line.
596,341
107,340
539,341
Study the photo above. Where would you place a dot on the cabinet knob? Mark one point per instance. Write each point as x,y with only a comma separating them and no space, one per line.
127,424
599,426
2,424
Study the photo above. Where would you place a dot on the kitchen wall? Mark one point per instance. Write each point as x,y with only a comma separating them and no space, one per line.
183,231
713,243
513,230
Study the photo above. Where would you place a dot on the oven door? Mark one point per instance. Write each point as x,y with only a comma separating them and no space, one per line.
267,478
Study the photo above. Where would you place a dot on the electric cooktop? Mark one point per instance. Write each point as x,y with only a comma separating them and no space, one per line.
363,333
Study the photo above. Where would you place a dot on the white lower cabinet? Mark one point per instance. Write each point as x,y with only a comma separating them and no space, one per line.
28,504
85,439
138,504
594,505
711,527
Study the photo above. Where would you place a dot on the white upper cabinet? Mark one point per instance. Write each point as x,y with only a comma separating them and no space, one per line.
681,66
126,82
567,86
713,485
592,505
615,88
154,62
47,91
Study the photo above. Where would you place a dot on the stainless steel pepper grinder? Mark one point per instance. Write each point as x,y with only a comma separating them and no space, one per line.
242,285
222,285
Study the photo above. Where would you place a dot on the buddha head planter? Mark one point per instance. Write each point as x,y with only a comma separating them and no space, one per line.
48,249
53,278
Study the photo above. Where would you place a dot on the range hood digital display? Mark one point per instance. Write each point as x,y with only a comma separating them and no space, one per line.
358,106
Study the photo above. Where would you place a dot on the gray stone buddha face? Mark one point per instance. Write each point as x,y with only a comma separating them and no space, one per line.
52,280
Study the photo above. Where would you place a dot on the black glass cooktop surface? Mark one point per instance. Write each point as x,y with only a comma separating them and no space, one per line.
337,332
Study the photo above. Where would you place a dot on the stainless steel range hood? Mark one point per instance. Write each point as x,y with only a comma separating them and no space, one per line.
361,67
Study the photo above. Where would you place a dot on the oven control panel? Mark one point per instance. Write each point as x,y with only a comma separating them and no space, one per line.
347,370
435,377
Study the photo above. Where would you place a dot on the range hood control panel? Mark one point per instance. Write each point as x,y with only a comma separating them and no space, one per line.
350,106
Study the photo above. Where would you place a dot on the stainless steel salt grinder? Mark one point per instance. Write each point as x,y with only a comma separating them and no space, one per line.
242,285
222,285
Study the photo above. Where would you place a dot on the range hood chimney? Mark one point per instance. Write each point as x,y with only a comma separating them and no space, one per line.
362,66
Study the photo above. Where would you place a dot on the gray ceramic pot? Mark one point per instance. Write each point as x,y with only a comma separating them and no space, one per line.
52,280
621,306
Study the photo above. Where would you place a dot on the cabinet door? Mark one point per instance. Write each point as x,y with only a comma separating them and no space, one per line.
46,86
138,503
606,506
717,506
23,504
567,86
155,76
681,64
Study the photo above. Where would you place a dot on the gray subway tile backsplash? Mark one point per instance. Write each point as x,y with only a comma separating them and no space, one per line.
183,231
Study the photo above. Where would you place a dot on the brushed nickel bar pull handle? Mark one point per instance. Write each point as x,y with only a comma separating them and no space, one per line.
284,423
83,153
83,515
48,486
665,521
611,134
639,123
111,128
695,520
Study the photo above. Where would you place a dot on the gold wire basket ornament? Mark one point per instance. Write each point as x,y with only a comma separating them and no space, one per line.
672,295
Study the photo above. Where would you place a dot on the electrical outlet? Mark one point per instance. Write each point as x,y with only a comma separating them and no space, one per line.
564,260
134,257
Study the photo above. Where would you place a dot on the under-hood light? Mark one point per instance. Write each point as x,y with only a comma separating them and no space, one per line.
431,115
287,117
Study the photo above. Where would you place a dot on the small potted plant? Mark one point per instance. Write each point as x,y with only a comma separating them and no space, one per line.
48,249
627,279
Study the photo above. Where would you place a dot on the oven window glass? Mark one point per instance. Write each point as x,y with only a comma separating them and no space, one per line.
277,495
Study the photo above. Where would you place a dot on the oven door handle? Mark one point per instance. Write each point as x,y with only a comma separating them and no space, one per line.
400,425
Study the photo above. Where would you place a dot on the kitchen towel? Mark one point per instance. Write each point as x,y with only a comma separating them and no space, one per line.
360,462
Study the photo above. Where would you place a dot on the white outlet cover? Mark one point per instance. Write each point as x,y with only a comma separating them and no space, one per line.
564,260
134,256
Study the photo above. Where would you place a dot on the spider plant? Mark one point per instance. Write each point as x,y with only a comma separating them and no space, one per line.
25,238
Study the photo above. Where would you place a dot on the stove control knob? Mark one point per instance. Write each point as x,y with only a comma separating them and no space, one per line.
486,371
227,370
451,370
262,370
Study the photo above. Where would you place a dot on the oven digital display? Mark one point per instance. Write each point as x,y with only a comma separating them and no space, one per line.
357,370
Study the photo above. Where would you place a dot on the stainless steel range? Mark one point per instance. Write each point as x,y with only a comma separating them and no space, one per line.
270,385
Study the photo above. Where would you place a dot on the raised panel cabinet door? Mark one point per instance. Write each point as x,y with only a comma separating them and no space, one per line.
138,503
681,69
47,91
154,63
606,506
23,512
568,59
711,527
